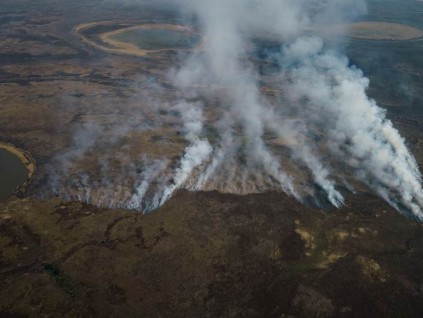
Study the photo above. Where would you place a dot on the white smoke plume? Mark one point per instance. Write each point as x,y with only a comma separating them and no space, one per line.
195,154
318,133
323,91
356,132
148,176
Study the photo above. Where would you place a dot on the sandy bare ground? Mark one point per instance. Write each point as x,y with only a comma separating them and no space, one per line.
119,47
370,30
384,31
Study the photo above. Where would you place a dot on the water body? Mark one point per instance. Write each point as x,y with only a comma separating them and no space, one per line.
12,173
156,39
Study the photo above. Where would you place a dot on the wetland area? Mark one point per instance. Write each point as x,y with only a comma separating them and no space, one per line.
86,104
16,170
156,39
13,173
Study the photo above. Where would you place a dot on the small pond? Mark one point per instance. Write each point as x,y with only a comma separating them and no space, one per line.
13,173
157,39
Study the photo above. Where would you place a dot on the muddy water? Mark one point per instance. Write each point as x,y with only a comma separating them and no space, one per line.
12,173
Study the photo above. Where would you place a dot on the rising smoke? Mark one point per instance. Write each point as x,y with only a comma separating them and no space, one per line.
318,135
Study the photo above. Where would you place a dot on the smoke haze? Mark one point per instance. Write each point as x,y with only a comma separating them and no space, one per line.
318,134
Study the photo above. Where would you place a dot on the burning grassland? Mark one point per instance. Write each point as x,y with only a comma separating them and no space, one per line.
339,131
282,124
235,116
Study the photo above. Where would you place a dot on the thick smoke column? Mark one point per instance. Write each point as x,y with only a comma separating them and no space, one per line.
356,131
319,132
322,89
197,151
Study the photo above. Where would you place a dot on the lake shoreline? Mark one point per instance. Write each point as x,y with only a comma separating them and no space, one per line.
26,159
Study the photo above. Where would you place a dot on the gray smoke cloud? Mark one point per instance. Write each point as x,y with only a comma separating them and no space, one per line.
317,133
322,90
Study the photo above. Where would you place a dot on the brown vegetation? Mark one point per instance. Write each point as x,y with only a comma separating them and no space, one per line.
210,254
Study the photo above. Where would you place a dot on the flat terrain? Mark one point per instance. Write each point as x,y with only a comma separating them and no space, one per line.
383,31
137,40
12,174
24,157
210,254
17,170
370,31
203,253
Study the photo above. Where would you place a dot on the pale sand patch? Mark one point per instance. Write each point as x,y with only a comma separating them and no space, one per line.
383,31
119,47
371,30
